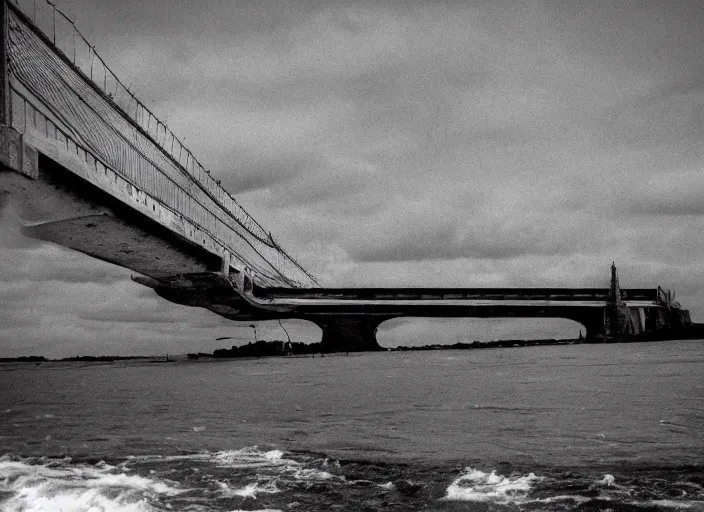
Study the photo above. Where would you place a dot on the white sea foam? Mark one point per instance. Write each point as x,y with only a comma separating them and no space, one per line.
475,485
274,463
677,504
251,490
264,486
260,510
50,485
556,499
249,457
272,471
266,463
273,455
311,474
327,463
608,480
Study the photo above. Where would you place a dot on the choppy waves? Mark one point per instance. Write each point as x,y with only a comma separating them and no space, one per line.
475,485
39,485
227,480
272,480
569,491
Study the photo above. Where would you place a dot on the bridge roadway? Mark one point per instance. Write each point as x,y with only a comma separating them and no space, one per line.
462,296
93,169
349,317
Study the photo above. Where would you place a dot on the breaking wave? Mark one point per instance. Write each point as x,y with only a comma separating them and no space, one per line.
475,485
531,490
150,483
40,484
273,481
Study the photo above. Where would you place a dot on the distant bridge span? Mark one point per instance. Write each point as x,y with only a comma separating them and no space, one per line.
91,168
349,317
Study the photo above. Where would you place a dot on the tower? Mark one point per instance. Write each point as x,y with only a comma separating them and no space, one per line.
616,310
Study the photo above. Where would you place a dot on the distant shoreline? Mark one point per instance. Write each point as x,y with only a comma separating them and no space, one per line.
283,349
43,359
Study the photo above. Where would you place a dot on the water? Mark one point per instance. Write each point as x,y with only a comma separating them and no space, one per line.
580,427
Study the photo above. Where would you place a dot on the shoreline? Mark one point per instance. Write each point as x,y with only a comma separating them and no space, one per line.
278,348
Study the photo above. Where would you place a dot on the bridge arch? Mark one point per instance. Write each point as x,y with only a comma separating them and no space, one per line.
358,332
424,331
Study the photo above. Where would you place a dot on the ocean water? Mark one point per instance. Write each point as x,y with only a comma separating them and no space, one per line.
579,427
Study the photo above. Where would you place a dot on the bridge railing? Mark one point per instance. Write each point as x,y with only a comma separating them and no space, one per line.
649,294
546,294
63,90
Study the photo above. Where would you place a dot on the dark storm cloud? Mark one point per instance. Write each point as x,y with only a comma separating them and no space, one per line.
127,317
261,171
670,117
669,206
18,319
502,239
672,193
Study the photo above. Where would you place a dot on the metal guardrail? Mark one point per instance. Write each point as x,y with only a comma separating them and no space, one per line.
104,114
549,294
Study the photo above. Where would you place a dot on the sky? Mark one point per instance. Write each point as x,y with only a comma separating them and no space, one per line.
401,144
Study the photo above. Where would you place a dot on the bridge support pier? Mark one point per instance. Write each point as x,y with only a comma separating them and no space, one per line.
348,333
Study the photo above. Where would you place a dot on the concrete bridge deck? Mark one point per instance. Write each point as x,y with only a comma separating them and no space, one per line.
404,295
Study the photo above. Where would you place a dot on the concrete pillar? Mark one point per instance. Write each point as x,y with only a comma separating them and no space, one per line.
348,333
225,264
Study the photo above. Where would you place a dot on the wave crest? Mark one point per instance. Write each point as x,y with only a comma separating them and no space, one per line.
39,484
476,485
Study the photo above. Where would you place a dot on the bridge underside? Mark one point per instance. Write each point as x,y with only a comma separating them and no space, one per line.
62,208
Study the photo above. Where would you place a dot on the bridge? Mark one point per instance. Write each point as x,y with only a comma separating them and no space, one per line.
91,168
349,317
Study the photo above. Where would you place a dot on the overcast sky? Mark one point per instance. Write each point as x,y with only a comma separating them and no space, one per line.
402,144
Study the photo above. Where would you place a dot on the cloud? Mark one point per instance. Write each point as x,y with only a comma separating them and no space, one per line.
256,170
675,193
